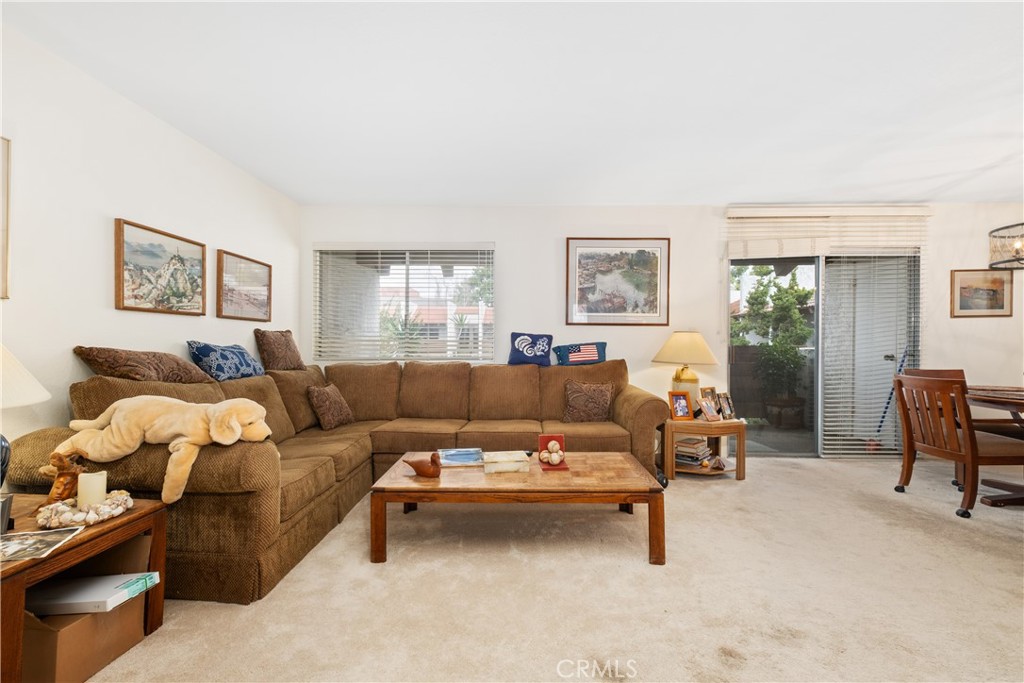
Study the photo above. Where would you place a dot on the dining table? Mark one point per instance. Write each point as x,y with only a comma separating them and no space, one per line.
1010,399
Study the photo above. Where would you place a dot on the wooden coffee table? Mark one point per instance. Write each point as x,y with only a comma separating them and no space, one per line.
591,478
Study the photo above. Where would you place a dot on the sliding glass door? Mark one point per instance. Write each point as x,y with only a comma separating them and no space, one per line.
772,353
870,323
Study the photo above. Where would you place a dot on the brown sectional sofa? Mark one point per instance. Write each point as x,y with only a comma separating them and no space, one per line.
251,511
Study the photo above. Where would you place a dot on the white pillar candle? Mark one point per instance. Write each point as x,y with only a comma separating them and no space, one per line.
92,488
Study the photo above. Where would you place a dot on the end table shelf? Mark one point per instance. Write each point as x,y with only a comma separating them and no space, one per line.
720,430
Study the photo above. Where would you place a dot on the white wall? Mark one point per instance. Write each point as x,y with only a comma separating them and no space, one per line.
82,156
991,350
530,252
530,276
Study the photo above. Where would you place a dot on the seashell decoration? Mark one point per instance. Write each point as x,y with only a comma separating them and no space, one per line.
67,513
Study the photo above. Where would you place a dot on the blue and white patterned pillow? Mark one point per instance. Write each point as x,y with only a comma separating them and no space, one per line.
530,348
224,362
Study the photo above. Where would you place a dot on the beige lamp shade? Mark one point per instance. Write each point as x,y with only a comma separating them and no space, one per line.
17,385
684,349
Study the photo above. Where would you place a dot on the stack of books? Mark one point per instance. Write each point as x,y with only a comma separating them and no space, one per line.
692,450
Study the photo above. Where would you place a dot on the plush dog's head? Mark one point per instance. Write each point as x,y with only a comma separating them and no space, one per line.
238,418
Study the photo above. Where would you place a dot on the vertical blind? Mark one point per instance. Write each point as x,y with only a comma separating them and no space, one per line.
434,303
870,304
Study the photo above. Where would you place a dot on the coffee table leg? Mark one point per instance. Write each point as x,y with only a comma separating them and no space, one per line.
656,528
378,528
626,507
408,507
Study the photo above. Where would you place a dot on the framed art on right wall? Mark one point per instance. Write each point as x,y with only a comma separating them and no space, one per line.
980,293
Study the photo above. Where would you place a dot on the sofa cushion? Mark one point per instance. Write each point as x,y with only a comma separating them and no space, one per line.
302,480
552,383
264,391
371,390
415,434
294,385
329,406
504,392
91,397
590,436
347,451
278,350
527,348
585,402
499,435
224,362
434,390
154,366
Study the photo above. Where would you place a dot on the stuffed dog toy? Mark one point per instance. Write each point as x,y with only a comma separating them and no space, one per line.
130,422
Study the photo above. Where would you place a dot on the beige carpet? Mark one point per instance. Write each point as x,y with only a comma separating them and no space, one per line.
809,570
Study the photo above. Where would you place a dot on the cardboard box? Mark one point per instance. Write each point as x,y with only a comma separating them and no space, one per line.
74,647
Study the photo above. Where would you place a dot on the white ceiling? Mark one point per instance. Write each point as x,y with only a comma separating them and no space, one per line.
575,103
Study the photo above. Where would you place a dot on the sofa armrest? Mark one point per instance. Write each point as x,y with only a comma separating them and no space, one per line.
640,412
240,468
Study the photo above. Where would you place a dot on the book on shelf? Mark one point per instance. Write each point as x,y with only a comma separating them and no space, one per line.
87,593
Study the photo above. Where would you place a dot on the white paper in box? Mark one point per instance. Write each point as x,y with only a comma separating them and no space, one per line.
87,593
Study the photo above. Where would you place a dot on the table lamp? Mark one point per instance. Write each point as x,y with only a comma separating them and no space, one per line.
684,349
17,388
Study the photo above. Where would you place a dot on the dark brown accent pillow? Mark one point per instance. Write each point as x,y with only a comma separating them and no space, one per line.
278,350
587,402
330,406
153,366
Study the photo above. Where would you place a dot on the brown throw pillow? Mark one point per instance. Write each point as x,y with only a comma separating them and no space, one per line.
141,365
587,402
330,406
278,350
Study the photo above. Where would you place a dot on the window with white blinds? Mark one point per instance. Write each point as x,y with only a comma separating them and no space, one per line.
387,303
870,306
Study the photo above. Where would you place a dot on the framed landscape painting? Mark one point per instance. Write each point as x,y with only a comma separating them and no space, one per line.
612,281
158,272
243,287
980,293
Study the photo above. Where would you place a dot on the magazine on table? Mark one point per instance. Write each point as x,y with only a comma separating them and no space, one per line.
34,544
461,457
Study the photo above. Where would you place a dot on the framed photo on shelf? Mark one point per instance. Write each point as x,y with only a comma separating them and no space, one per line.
725,401
243,287
679,404
980,293
709,410
710,393
613,281
157,272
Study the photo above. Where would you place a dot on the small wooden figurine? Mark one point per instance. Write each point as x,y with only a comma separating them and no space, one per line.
426,468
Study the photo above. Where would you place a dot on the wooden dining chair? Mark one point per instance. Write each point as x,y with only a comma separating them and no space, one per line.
937,421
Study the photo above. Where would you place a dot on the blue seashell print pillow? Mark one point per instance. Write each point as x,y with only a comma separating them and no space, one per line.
530,348
224,362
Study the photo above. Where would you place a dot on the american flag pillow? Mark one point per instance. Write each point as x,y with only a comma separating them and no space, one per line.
580,354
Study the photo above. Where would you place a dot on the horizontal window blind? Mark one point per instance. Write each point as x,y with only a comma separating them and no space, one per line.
431,303
870,319
870,305
770,231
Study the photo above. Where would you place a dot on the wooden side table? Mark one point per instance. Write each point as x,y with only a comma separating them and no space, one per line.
720,429
146,517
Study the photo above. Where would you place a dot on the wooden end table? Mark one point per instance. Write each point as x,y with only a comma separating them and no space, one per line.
719,429
591,478
147,517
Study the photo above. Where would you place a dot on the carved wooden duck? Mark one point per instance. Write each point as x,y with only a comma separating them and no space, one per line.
426,468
